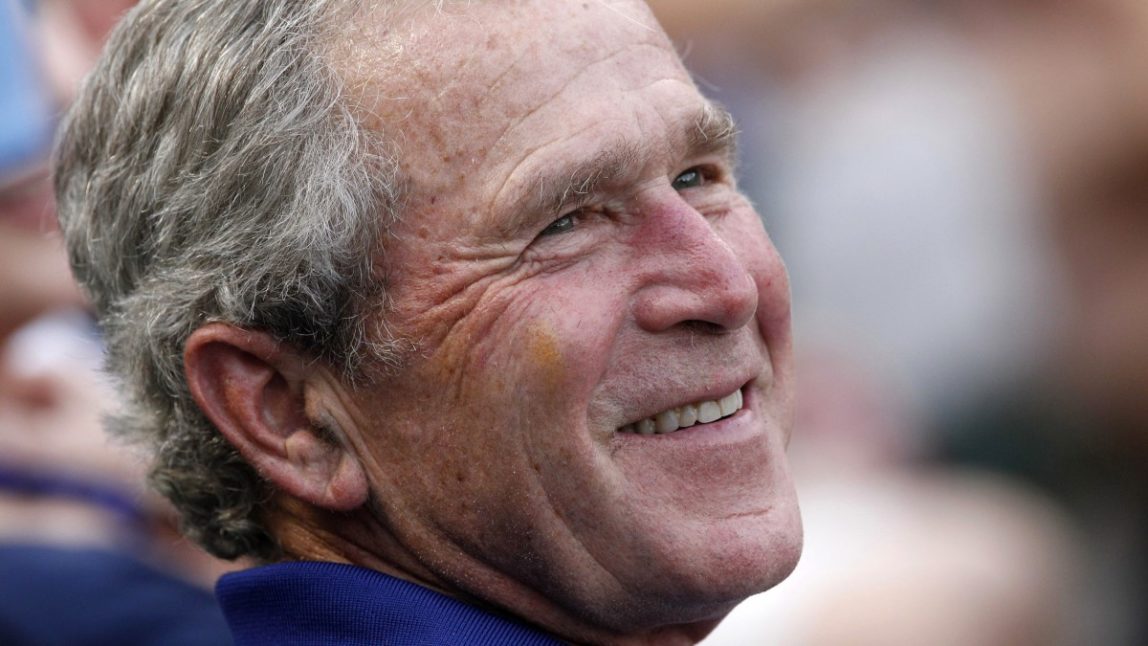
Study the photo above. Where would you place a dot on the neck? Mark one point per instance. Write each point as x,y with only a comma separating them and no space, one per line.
360,538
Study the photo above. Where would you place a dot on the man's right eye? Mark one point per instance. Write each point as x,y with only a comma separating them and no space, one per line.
563,224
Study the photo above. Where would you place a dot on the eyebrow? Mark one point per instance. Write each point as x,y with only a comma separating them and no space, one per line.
714,131
710,130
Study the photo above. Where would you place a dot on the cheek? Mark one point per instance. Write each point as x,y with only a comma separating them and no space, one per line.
495,462
747,237
752,244
532,353
749,240
509,384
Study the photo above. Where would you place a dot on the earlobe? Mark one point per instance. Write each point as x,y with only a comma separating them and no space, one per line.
253,388
335,478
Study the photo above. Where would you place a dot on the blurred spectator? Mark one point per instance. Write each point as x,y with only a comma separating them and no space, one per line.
1078,75
85,556
912,154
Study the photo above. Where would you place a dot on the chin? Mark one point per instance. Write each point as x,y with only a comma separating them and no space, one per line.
749,552
740,560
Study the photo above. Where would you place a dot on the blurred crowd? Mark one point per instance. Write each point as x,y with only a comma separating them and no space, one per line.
87,555
960,190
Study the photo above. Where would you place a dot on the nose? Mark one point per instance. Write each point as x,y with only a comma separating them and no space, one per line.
691,275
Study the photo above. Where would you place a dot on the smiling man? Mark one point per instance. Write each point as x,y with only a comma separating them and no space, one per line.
452,313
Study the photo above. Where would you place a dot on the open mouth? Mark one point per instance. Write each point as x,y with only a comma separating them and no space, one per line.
675,419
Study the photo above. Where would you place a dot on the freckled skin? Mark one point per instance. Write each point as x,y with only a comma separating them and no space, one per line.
496,470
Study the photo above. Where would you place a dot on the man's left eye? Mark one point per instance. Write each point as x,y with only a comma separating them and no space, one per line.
692,178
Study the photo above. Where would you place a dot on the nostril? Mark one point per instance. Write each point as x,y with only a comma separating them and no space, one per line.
703,327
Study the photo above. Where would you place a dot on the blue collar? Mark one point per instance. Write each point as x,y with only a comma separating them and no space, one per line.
309,603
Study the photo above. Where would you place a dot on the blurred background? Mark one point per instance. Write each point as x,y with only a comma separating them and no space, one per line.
960,189
87,555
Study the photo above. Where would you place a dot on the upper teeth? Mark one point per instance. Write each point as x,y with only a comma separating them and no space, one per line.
686,416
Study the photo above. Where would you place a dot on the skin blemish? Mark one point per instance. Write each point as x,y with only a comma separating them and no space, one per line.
542,350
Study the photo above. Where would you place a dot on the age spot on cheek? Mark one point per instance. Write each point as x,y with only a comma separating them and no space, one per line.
544,354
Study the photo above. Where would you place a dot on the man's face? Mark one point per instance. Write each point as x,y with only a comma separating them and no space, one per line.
575,261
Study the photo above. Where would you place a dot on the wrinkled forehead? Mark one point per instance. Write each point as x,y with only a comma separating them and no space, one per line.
479,40
438,68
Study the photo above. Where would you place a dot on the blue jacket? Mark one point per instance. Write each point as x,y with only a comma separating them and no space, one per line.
52,596
313,604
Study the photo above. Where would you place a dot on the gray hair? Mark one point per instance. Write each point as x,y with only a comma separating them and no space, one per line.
213,170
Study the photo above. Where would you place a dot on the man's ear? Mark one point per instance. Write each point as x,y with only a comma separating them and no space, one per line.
253,388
